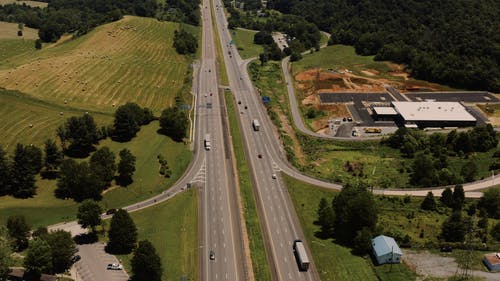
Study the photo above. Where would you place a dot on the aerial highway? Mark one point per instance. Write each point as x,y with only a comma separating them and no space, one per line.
281,226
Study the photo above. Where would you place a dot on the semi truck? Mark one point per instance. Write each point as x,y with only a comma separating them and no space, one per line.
207,142
301,255
256,124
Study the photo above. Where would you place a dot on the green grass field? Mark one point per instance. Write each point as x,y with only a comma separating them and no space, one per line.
9,48
45,209
19,111
258,254
339,56
172,227
129,60
243,40
335,262
221,71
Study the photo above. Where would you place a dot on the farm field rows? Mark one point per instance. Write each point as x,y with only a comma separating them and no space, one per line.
45,209
10,48
8,30
28,120
128,60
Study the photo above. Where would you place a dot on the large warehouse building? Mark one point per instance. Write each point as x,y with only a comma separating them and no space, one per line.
426,114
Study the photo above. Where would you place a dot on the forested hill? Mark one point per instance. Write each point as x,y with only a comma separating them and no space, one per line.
455,42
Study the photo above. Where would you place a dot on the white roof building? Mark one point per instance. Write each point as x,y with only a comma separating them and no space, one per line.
432,111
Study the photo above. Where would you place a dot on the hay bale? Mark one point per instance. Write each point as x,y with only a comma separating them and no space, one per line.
61,113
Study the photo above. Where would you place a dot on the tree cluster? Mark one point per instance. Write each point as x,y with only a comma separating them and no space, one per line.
351,218
453,42
186,11
128,120
185,42
17,175
146,263
78,135
432,169
74,16
302,34
174,123
51,252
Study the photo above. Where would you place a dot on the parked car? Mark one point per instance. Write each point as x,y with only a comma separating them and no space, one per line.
75,258
212,255
114,266
446,249
110,211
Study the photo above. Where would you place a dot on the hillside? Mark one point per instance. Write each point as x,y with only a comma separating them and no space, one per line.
455,42
128,60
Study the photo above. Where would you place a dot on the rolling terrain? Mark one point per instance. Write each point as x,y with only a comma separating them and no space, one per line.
128,60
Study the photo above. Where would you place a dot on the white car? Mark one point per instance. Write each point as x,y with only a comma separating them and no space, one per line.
274,176
115,266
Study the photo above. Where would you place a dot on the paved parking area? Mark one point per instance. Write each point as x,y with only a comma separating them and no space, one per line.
354,97
92,266
453,96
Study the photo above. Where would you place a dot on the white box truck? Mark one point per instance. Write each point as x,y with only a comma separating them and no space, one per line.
256,124
207,142
301,255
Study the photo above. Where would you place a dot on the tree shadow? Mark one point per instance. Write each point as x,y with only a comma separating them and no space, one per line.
123,181
49,175
86,238
79,152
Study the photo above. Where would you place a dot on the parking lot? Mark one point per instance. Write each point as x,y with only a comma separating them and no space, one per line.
92,266
475,97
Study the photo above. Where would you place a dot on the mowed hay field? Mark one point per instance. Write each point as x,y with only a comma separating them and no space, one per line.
9,30
30,121
28,3
128,60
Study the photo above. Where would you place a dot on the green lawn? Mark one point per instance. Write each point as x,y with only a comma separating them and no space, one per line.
335,262
221,71
45,209
9,48
339,56
243,39
258,254
172,227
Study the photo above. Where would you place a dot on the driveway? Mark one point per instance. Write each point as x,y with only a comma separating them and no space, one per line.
92,266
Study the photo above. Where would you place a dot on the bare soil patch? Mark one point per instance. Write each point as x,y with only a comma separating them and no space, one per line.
9,30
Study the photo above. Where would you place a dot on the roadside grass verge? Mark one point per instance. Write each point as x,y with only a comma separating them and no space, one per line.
257,250
221,71
44,209
243,40
172,227
335,262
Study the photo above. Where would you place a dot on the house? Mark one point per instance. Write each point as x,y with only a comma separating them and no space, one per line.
492,261
386,250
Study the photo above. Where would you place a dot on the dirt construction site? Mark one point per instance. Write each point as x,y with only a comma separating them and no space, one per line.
345,94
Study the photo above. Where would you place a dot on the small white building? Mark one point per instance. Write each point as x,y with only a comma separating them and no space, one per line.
386,250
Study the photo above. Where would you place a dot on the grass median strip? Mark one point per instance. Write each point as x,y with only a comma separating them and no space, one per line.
220,58
258,254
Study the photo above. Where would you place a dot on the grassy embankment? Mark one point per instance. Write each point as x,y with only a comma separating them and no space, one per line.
335,262
172,227
257,250
243,39
138,53
221,66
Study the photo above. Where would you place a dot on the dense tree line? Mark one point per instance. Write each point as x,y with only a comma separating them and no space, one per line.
303,35
185,42
186,11
430,166
351,218
75,16
452,42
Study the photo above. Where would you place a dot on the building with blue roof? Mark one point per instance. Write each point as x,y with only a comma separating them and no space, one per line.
386,250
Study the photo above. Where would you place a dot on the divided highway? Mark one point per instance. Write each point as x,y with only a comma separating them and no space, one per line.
276,211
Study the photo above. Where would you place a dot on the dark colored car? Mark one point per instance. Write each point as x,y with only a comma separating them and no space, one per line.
75,258
111,211
260,155
212,255
446,249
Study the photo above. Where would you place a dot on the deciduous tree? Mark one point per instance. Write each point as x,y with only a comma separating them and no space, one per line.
146,264
38,259
89,214
103,166
62,248
429,202
126,167
19,230
122,234
174,123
